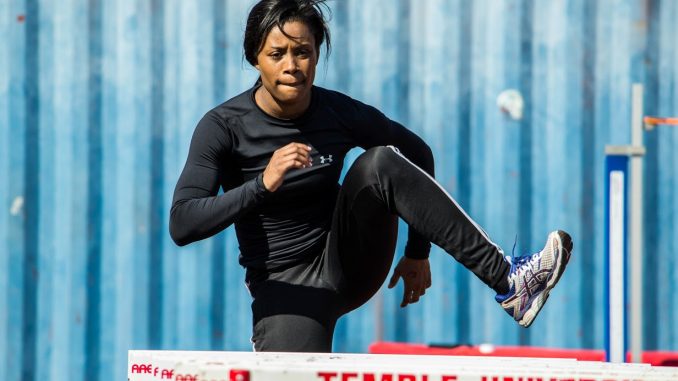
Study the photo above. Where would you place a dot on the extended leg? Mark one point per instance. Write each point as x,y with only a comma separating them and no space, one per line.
381,185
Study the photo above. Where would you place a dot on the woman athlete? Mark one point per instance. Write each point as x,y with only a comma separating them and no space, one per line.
313,249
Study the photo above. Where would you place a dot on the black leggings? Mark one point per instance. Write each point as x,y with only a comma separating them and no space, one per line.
296,308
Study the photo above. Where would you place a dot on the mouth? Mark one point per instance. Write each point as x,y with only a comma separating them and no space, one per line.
292,84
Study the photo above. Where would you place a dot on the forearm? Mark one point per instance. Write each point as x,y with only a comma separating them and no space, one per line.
194,217
417,246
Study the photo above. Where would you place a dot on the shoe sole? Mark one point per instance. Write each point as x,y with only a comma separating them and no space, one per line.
565,243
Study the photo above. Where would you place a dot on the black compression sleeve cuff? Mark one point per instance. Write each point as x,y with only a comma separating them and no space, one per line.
259,180
417,248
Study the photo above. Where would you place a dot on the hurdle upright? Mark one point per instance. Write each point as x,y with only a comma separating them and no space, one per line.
621,197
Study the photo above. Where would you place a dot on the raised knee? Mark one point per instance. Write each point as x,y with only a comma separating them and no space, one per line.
376,158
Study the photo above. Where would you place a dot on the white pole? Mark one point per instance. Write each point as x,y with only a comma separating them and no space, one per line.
636,236
616,257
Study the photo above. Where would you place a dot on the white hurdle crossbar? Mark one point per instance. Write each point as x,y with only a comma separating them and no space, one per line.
250,366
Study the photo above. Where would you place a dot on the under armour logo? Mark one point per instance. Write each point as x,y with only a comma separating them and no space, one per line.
327,159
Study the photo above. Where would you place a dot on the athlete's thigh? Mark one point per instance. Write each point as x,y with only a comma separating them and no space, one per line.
292,333
294,311
362,239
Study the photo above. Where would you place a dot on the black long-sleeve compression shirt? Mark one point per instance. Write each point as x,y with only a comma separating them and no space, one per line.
231,147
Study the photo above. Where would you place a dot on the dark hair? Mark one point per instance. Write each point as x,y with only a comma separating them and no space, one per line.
267,14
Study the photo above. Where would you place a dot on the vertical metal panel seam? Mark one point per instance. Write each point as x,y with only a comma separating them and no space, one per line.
541,35
46,309
16,246
463,323
170,105
666,212
32,191
404,83
5,195
94,195
586,249
158,229
525,201
650,182
78,203
139,305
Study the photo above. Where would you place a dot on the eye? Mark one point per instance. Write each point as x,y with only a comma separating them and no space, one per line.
303,52
276,55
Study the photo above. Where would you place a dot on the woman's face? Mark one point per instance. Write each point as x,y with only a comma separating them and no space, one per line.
287,67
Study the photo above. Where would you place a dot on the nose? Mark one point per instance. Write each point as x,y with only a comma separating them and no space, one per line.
290,65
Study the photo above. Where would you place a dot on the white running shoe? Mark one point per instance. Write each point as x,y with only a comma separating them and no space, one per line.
533,276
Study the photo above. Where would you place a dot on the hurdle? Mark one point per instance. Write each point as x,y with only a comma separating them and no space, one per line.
250,366
624,235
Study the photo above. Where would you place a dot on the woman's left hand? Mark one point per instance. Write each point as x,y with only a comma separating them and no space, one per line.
416,274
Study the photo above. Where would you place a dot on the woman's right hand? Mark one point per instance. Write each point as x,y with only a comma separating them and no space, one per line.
293,155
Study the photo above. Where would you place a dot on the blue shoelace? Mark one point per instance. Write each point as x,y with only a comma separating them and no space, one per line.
517,262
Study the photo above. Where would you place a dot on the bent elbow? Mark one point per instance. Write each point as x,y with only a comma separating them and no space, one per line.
177,230
178,238
427,161
178,235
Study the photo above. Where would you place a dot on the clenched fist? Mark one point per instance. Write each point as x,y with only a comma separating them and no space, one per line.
293,155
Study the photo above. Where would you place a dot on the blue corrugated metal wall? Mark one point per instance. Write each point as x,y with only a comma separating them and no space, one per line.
98,100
